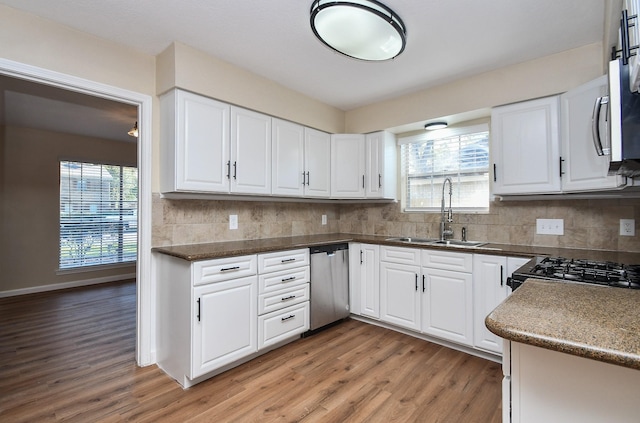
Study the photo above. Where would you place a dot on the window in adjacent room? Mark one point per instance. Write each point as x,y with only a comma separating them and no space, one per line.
98,214
461,154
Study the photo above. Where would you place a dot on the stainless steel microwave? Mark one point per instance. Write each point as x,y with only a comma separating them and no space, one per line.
624,123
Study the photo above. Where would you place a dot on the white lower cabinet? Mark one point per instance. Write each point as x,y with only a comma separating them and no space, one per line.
400,287
419,291
490,289
447,305
281,325
370,280
215,314
224,328
283,297
207,315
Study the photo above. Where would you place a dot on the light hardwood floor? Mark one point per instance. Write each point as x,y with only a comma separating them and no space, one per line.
69,356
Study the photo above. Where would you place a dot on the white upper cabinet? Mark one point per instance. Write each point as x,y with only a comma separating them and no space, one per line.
194,143
582,168
250,152
288,142
301,161
525,147
380,165
347,166
317,163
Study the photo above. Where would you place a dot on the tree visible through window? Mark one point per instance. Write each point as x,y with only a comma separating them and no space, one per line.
461,154
98,214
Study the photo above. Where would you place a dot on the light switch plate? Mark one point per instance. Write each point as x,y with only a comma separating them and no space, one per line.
233,221
627,227
550,226
324,219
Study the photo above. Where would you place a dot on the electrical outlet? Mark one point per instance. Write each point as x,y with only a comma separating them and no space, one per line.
233,221
627,227
550,226
324,219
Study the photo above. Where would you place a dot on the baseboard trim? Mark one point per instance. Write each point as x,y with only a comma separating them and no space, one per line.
65,285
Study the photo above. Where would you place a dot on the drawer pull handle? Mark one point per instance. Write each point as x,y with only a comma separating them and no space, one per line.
292,278
284,319
290,297
288,260
227,269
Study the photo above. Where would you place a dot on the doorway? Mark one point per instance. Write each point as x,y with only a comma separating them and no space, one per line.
143,104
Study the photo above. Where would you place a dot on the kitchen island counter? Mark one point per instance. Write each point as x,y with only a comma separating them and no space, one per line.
596,322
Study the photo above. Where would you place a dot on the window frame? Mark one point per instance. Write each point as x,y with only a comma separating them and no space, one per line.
87,209
439,135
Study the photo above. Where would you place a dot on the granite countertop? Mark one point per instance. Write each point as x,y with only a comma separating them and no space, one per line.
597,322
195,252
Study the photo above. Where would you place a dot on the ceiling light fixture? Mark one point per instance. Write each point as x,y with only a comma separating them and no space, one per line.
435,125
362,29
134,131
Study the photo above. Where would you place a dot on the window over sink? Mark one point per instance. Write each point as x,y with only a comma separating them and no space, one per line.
461,154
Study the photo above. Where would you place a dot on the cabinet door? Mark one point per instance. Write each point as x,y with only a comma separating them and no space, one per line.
195,143
317,163
250,152
225,317
583,169
356,259
380,165
489,289
525,146
400,288
370,280
288,158
447,307
347,166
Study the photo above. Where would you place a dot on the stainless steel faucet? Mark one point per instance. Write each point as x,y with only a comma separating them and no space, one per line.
445,223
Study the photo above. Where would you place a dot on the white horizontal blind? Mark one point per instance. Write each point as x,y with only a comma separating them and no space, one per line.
464,158
98,214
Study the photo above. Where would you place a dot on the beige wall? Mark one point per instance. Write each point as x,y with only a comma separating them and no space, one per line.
537,78
30,171
185,67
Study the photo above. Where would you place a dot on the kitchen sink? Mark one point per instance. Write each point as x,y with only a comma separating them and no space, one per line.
433,241
413,240
458,243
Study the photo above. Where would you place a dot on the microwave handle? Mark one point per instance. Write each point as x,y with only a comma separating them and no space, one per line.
595,126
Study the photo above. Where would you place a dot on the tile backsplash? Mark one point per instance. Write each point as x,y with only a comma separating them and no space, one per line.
588,224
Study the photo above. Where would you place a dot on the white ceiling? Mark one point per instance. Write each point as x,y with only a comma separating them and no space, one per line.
446,40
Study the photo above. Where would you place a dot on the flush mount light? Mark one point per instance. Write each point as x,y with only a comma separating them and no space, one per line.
134,131
362,29
435,125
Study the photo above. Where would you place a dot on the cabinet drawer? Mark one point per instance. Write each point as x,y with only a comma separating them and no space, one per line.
282,260
284,279
447,260
217,270
273,301
400,255
280,325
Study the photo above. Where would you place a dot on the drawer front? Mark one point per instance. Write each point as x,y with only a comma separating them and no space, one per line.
400,255
217,270
282,260
280,325
281,280
273,301
447,260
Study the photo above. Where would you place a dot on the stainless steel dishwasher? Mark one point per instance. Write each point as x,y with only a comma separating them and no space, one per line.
329,284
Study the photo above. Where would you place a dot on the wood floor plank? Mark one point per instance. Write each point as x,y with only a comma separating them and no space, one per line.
70,356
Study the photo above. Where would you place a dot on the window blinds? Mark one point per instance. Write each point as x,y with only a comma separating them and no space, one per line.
98,214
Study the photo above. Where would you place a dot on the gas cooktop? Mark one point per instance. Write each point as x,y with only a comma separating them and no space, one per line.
575,270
